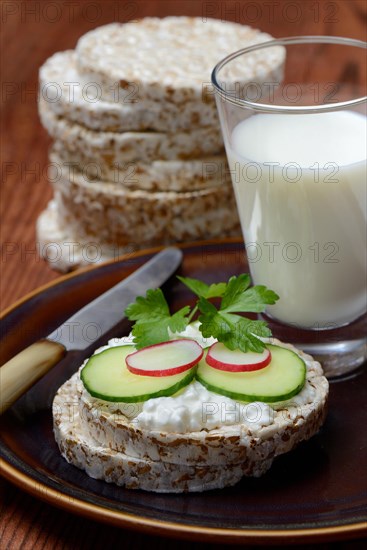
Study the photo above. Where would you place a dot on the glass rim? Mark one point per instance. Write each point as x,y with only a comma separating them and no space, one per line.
256,106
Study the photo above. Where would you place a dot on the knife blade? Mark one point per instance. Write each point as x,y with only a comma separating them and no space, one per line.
84,328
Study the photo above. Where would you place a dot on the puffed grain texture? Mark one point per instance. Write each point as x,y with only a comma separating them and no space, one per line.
157,175
186,49
115,148
80,99
115,215
101,462
66,250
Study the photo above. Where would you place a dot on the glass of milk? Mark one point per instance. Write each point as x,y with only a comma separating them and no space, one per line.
293,117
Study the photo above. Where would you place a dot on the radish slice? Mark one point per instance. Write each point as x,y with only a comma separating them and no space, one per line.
165,359
221,358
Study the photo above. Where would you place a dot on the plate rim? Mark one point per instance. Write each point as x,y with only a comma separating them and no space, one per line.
160,527
156,526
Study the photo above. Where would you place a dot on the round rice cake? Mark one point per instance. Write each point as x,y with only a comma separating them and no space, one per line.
101,462
158,175
116,148
285,425
170,60
111,213
81,99
65,250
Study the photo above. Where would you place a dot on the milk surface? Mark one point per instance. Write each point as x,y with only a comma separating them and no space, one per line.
300,183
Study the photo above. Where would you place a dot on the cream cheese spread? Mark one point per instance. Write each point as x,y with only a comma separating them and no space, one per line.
194,408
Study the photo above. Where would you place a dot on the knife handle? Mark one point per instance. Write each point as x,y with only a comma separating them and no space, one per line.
23,370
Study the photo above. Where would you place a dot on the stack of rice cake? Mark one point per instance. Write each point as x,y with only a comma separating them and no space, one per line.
138,157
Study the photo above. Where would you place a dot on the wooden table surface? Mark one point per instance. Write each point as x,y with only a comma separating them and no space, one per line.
31,32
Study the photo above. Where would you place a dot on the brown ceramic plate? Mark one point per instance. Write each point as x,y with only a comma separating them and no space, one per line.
316,492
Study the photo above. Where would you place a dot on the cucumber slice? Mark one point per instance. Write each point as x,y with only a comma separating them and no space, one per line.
106,376
283,378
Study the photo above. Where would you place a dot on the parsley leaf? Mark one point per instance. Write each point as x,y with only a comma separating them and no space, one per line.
154,322
154,303
212,323
239,298
244,335
235,288
235,331
201,289
153,319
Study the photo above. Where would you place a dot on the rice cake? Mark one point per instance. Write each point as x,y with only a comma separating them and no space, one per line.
81,99
116,148
159,175
170,60
291,422
101,462
65,250
112,214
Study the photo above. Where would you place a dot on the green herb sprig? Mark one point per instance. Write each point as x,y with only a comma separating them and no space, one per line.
154,322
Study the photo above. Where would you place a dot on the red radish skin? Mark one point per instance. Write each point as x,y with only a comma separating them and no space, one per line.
235,367
140,370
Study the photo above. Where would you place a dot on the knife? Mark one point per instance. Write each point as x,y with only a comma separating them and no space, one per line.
84,328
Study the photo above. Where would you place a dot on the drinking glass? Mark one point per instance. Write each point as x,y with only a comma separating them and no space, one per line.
293,118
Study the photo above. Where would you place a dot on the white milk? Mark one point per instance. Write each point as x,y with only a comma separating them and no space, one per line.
304,223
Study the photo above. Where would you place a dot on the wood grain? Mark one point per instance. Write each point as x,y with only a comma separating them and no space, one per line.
31,32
